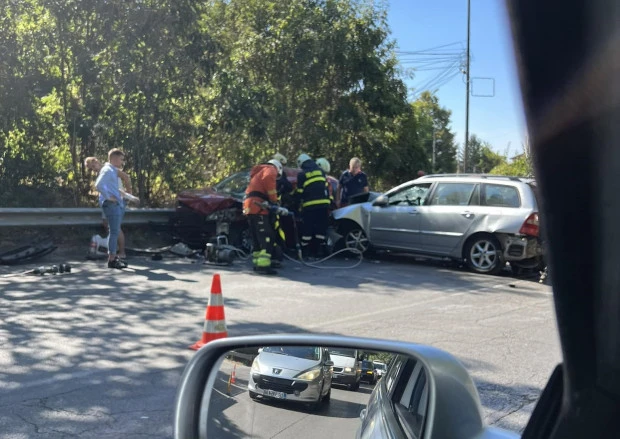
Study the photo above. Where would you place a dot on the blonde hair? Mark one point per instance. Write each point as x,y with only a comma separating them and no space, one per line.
88,161
355,162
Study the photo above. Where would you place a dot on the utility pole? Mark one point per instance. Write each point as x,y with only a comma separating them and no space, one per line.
434,142
467,63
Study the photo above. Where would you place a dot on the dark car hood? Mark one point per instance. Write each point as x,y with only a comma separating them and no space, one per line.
207,200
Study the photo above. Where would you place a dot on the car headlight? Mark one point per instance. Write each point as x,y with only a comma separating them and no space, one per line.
348,369
310,375
255,365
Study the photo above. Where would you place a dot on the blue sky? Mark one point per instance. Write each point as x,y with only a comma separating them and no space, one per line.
422,24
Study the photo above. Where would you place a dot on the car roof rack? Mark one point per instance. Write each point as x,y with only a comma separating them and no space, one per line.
489,176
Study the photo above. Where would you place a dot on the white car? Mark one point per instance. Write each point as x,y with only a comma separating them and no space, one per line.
300,374
380,368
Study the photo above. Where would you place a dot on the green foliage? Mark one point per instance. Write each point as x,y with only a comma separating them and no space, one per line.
520,166
481,159
433,122
192,91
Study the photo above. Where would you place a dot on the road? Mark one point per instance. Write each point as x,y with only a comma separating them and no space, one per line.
98,353
240,416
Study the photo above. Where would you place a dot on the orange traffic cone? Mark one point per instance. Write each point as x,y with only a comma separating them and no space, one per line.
215,322
233,375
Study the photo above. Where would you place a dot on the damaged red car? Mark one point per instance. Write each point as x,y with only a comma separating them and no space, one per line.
204,214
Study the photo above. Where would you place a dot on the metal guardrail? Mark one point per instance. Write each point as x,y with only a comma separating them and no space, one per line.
17,217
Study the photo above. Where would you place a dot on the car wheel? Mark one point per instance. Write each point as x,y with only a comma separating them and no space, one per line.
355,238
483,254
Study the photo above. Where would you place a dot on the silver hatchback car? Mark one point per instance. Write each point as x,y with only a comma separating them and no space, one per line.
300,374
485,220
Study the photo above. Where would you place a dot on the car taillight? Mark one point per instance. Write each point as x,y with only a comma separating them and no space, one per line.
530,226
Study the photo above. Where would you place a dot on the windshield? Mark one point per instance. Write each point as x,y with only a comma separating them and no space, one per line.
234,185
343,352
379,366
307,353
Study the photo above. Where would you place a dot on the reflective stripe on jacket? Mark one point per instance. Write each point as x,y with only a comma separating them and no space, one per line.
312,186
262,188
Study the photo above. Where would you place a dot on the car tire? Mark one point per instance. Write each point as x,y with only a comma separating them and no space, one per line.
483,254
353,237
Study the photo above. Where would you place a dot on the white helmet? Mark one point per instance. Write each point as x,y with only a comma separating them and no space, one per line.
279,157
277,164
323,164
302,158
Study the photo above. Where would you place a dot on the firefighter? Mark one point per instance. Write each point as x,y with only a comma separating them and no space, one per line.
283,186
262,188
314,202
323,163
285,192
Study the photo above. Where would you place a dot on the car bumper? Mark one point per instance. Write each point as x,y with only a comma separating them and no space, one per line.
344,379
518,248
285,390
368,377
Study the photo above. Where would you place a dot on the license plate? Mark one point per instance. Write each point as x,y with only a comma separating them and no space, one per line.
274,394
335,375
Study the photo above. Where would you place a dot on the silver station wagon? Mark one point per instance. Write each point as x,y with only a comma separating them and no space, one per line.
485,220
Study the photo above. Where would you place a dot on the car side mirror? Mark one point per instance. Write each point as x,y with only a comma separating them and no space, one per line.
436,396
380,201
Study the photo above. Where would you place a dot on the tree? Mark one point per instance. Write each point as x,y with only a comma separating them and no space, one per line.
433,122
194,90
481,159
519,166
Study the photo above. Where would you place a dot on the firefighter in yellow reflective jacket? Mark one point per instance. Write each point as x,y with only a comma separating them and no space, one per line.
313,195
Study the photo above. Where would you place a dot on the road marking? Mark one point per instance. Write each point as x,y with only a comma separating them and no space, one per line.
386,310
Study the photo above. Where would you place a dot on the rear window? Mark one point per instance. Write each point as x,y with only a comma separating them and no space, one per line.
498,195
453,194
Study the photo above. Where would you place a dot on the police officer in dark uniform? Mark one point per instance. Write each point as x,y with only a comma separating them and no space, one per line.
314,201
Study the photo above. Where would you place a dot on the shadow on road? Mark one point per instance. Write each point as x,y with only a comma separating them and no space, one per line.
96,353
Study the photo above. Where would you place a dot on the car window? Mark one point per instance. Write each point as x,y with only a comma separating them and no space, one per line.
394,371
412,403
343,352
498,195
235,184
453,194
308,353
414,195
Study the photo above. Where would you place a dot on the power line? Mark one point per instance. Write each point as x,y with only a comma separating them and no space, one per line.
443,62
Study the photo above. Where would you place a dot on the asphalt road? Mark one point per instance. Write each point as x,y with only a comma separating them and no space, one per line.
98,353
239,416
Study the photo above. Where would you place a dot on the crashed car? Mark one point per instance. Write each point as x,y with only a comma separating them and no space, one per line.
203,214
485,220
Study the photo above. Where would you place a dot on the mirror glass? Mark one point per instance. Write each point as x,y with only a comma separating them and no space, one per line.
313,391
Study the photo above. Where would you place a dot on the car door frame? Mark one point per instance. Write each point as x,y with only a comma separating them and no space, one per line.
468,211
411,229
